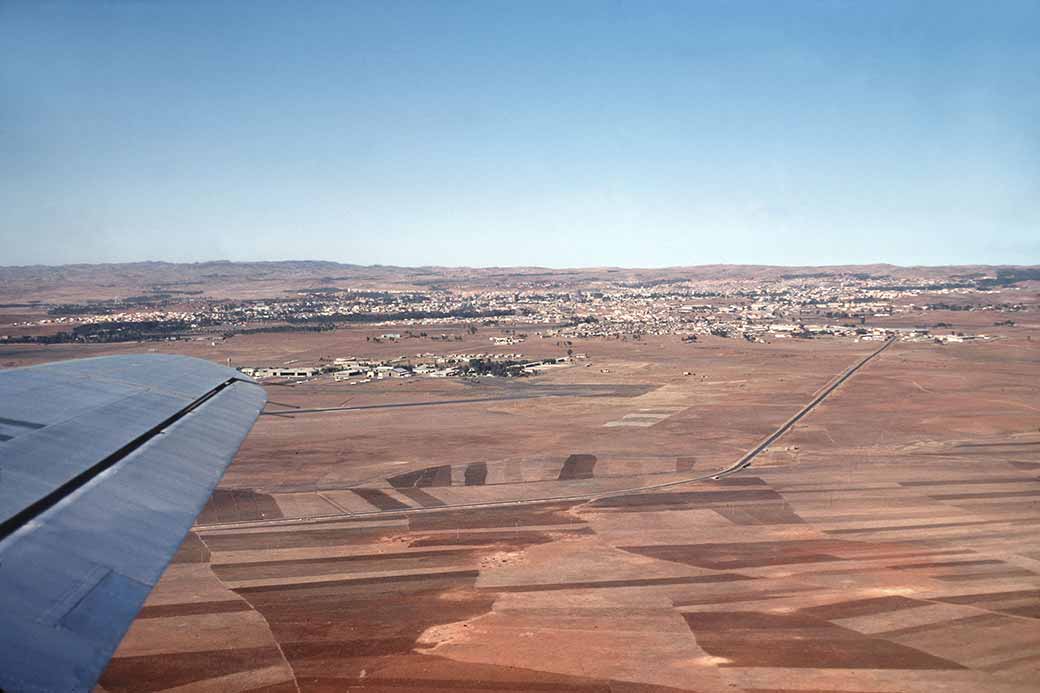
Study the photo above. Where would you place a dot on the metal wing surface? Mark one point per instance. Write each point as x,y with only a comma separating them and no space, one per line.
104,465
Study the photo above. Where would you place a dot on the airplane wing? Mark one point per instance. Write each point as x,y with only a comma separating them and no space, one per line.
104,465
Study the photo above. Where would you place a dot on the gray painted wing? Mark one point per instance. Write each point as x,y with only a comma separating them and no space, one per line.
104,464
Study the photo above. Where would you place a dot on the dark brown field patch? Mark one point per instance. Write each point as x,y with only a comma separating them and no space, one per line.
238,505
153,673
475,474
746,554
933,525
988,598
972,480
988,575
421,497
1029,611
996,494
339,629
287,687
1025,465
862,607
382,583
430,476
834,489
344,649
797,640
379,499
578,467
741,480
430,673
945,564
764,514
685,499
878,555
634,582
802,690
732,597
367,563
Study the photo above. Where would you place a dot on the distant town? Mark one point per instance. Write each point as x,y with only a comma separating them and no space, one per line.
851,305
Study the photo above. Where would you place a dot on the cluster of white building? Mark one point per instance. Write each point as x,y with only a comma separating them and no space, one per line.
357,370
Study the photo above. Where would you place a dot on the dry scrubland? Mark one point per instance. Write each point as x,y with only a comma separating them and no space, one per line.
469,541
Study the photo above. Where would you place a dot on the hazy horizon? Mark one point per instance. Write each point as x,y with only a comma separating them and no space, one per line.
558,135
553,268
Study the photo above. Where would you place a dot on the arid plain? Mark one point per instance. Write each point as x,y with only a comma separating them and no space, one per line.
615,523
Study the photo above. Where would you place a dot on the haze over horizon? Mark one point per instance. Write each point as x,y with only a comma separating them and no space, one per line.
572,134
552,268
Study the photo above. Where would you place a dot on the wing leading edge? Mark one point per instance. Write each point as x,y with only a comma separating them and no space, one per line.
104,465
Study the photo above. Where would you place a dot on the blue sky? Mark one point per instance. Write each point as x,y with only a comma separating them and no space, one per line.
512,133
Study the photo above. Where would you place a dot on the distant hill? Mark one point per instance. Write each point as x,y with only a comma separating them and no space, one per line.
278,278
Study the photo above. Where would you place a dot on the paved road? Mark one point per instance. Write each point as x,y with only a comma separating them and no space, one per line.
523,392
745,461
